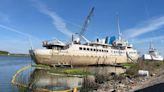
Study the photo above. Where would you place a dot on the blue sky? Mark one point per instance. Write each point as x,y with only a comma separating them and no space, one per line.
141,21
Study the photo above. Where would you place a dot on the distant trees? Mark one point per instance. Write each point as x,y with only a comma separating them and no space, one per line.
4,52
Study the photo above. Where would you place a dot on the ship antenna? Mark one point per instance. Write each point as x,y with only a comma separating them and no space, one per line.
118,27
31,45
150,45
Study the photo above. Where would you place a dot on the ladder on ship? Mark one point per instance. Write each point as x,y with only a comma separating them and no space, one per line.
128,57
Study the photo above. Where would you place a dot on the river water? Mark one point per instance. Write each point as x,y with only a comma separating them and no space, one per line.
35,78
8,66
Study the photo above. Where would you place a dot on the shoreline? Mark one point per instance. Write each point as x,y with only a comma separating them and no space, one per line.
18,55
135,83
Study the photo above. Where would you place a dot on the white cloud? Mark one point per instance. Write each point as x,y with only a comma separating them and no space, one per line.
13,30
148,26
25,35
156,39
57,20
18,32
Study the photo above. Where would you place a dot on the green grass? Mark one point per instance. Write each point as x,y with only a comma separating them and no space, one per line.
41,66
66,71
76,72
127,65
70,71
151,66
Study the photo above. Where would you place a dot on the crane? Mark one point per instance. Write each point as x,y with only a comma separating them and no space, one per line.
84,27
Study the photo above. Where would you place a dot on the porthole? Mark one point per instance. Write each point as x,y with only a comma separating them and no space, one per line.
80,48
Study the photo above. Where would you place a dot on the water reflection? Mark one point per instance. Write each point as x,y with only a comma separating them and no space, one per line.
43,79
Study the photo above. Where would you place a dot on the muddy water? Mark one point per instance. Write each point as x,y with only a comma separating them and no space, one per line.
35,78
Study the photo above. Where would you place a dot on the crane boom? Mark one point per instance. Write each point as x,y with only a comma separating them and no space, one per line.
85,25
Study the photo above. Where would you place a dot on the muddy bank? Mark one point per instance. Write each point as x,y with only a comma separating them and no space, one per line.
131,82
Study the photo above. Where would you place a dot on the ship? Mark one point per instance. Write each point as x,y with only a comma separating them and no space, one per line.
153,54
107,51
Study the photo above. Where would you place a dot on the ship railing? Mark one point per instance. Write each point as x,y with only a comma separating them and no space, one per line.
53,42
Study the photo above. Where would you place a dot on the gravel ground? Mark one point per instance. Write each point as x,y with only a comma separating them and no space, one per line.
131,85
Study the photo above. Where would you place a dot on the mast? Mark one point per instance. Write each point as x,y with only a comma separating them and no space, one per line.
118,28
150,46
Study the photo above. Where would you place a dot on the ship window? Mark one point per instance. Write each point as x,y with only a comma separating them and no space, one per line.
100,50
84,48
107,51
88,49
80,48
91,49
94,49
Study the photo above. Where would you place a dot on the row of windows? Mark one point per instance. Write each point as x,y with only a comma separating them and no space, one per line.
100,50
120,52
91,49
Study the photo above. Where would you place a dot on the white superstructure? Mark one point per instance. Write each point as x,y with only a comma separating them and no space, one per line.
153,54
